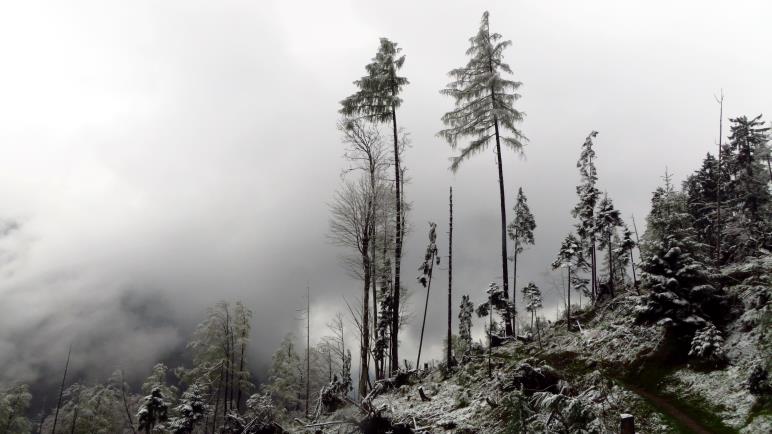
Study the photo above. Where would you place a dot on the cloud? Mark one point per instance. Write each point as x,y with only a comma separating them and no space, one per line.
161,157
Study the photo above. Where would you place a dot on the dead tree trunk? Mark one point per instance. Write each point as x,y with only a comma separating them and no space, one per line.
449,355
397,246
718,178
568,296
126,404
308,343
61,390
426,306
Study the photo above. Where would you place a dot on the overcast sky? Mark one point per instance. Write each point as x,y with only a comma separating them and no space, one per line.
158,156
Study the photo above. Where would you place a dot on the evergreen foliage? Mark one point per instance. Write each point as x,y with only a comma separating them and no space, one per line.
465,322
14,403
154,410
584,210
484,102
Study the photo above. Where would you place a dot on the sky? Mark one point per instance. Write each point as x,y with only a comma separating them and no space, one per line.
157,157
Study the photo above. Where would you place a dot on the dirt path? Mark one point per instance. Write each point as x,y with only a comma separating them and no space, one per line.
664,405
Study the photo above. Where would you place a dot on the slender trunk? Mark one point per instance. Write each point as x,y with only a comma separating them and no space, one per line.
610,265
514,285
568,307
74,420
364,350
373,283
234,380
769,169
594,274
504,265
126,404
449,354
227,362
426,306
241,367
397,246
637,240
538,332
718,181
632,266
61,390
217,400
490,333
308,342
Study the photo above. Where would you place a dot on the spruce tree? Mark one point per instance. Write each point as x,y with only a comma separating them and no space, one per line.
533,299
484,111
585,209
378,99
703,194
521,233
607,220
465,322
626,248
749,227
569,257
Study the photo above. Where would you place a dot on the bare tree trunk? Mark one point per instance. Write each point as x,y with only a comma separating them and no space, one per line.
217,400
74,419
610,265
718,178
426,306
227,361
514,285
308,343
490,333
568,305
364,374
126,404
449,355
397,246
241,367
504,265
594,274
632,266
61,390
637,240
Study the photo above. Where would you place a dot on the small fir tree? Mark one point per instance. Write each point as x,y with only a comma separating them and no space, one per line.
521,233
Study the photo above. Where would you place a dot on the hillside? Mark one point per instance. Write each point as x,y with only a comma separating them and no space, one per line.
584,379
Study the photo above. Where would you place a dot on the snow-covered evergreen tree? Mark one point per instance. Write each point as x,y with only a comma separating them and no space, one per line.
520,231
485,112
153,410
465,322
569,257
585,209
191,411
285,377
707,347
750,227
607,220
14,403
533,299
702,195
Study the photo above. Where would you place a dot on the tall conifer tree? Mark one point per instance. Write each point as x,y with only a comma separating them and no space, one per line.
585,209
378,99
484,111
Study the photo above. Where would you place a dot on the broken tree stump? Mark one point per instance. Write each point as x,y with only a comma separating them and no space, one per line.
627,424
423,395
